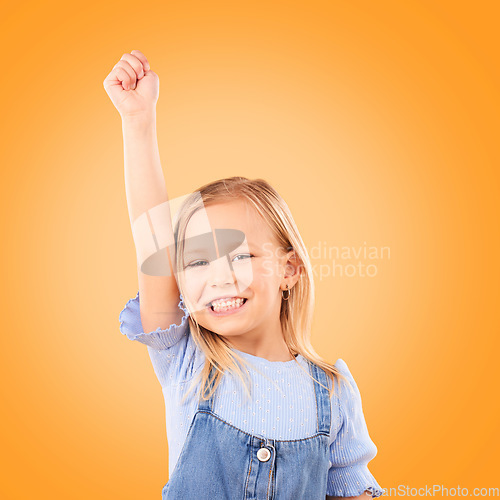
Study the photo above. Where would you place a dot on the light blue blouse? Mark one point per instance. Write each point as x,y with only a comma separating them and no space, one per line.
282,404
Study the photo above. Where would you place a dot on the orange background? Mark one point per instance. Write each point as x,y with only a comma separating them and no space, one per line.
377,122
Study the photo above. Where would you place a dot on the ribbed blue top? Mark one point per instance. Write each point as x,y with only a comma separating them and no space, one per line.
282,403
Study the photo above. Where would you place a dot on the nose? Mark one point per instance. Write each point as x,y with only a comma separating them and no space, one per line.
220,272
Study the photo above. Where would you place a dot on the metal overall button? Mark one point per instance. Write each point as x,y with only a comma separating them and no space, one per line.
263,454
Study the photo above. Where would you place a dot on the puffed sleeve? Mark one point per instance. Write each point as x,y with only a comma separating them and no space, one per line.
352,448
173,352
131,326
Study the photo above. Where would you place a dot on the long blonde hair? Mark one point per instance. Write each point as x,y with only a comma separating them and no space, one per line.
296,312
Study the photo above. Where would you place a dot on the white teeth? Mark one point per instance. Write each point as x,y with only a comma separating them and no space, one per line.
223,304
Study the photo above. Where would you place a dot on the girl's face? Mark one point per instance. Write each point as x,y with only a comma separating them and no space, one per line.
230,252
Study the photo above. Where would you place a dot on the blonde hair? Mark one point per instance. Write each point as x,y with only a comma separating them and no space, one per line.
296,312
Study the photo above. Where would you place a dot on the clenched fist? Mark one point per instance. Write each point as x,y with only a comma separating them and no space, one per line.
132,86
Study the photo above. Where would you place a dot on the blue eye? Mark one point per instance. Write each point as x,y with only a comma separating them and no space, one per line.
244,255
194,264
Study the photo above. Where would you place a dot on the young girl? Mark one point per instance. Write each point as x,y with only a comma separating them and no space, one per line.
224,307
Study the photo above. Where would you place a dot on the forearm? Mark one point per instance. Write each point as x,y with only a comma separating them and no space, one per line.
147,198
144,180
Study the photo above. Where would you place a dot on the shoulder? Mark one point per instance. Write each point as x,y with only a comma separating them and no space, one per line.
346,391
173,351
341,365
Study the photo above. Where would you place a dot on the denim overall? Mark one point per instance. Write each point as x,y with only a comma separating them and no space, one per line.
221,462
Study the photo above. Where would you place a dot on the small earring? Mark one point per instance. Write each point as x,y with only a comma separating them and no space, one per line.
288,293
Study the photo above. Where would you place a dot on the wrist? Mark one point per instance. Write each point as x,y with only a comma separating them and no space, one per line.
139,118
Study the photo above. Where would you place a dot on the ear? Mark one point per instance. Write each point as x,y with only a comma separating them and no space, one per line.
293,267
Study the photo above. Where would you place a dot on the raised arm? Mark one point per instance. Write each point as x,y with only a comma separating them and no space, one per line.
134,89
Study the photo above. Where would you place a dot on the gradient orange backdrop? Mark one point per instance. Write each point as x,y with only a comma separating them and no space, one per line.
377,122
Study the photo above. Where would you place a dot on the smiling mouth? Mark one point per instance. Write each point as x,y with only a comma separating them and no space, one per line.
228,307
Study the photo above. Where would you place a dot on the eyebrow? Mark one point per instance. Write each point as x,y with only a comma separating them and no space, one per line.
197,249
209,241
